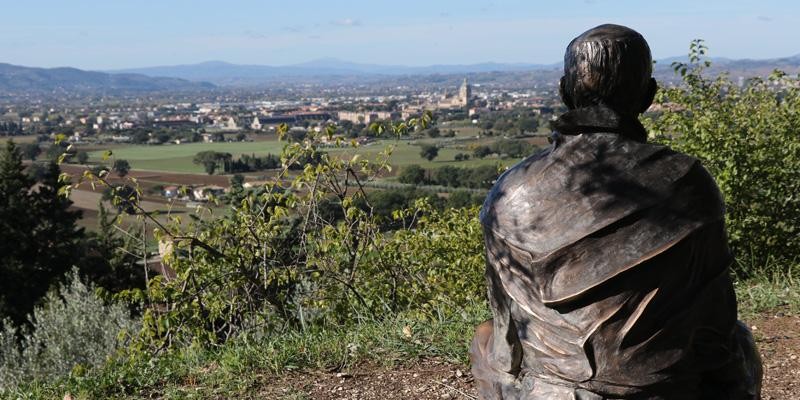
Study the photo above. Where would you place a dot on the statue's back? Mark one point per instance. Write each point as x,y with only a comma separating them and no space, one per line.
608,269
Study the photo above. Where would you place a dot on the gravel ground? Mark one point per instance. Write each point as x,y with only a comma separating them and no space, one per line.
777,336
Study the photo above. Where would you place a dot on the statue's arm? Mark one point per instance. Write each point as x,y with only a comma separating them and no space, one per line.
495,353
505,350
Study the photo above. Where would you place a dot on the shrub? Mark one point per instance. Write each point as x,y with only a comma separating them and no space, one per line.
463,198
482,151
72,330
121,167
429,152
82,157
438,265
412,174
747,137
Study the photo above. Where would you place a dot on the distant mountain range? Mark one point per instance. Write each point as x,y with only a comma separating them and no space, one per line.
208,75
227,74
14,78
741,67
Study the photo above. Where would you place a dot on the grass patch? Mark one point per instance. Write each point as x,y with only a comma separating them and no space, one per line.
238,368
762,294
767,287
406,153
178,158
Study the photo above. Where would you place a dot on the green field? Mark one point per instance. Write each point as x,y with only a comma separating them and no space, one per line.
405,153
178,158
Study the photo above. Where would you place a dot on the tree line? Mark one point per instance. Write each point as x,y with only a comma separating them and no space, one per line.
481,177
214,160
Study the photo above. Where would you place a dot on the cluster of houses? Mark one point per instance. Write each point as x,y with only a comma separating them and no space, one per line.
193,193
231,114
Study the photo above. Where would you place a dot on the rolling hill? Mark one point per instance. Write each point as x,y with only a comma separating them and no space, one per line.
18,78
332,69
227,74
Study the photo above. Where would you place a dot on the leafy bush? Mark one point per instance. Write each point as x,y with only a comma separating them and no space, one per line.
437,265
384,203
463,198
73,330
412,174
429,152
482,151
748,138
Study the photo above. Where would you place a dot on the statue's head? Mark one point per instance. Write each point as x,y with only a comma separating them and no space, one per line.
609,65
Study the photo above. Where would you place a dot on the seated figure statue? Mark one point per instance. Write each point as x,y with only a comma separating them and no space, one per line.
607,257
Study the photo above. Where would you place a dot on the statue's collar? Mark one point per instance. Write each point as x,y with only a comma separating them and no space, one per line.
599,118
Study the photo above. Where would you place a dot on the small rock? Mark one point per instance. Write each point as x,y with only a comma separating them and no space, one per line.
459,374
407,331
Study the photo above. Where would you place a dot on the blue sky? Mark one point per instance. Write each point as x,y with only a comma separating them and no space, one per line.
108,34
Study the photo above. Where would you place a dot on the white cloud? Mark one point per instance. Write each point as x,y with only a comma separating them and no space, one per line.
254,34
292,28
347,22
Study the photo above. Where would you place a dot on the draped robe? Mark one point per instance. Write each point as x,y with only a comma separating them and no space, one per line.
608,275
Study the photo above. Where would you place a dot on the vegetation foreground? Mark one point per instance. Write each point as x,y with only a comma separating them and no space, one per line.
247,366
307,272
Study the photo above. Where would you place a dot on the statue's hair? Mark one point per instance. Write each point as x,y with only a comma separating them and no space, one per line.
610,65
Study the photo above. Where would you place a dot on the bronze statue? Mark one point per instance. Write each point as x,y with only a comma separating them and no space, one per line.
607,258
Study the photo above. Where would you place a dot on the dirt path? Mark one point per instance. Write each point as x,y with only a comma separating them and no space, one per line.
777,335
778,339
430,379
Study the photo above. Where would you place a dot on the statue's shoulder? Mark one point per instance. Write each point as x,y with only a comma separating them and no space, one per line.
584,183
516,178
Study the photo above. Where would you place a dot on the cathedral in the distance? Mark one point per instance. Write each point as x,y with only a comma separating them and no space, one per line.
462,100
465,93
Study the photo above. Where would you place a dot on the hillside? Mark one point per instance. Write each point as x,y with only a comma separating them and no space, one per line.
15,78
322,70
333,71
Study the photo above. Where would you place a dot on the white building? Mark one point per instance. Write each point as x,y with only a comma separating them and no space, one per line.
256,124
365,117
